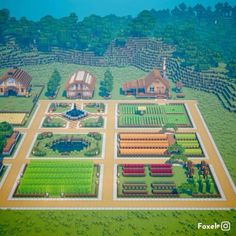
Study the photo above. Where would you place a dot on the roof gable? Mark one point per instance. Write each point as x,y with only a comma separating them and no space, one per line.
19,75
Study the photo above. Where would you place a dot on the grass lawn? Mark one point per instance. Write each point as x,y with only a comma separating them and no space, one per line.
54,122
59,108
20,104
94,108
117,223
92,122
45,145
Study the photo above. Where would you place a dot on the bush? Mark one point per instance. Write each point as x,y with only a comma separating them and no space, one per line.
92,152
38,152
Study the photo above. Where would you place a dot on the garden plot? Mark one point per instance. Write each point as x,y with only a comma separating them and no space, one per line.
94,107
59,107
92,122
52,145
152,115
166,181
56,179
53,122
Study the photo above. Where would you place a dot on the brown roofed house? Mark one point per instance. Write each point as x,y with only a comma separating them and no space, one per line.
80,85
151,86
15,82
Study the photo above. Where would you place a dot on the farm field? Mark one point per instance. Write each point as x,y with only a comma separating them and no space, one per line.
153,115
66,136
58,179
154,144
163,180
205,100
67,145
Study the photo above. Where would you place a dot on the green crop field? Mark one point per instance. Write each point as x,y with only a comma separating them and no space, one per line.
154,116
190,143
57,177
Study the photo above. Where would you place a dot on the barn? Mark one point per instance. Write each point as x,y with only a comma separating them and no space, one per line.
15,82
80,85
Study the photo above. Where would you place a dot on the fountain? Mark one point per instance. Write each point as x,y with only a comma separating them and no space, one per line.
75,114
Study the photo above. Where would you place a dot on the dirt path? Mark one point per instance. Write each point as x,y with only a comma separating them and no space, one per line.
108,162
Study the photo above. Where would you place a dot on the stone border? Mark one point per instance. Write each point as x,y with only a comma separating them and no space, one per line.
34,115
115,198
5,174
216,149
99,197
119,208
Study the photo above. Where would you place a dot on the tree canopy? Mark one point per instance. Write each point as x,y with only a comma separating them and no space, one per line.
203,36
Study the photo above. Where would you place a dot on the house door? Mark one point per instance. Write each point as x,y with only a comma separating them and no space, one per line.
11,91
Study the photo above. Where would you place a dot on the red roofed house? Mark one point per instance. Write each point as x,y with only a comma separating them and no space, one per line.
153,85
15,82
80,85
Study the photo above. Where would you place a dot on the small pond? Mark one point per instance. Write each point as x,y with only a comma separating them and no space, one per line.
69,146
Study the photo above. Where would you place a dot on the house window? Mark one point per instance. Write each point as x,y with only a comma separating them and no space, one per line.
22,90
1,90
152,89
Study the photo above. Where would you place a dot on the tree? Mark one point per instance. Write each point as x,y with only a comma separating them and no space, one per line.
106,85
178,158
143,25
176,149
231,67
169,126
6,129
212,188
203,187
2,142
53,84
195,188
